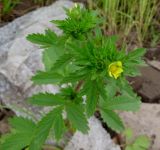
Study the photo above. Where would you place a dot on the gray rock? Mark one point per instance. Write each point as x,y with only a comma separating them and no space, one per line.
96,139
40,18
145,122
147,85
19,59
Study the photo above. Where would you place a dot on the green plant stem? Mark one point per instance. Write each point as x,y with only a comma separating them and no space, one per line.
78,87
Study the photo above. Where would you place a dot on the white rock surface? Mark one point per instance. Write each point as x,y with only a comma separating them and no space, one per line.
19,60
145,122
96,139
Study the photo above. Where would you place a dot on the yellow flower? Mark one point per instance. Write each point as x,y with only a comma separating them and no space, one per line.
115,69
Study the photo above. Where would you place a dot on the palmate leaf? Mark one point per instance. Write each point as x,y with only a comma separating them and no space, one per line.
77,75
44,40
112,119
53,45
16,141
102,91
58,127
43,128
62,61
46,99
123,102
92,97
131,70
20,137
132,61
76,116
111,89
21,124
137,53
109,44
49,77
78,23
51,54
127,90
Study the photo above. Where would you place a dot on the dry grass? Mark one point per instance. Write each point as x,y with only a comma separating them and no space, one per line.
130,19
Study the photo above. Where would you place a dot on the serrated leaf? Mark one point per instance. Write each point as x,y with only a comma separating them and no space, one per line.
111,89
45,40
125,88
46,99
58,127
17,141
136,53
49,77
62,61
79,22
102,90
53,45
73,77
50,55
49,58
112,120
131,71
76,117
123,102
109,44
43,128
92,98
21,124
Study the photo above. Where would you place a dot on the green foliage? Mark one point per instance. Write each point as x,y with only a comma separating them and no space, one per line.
43,128
123,102
8,6
78,23
126,18
85,62
46,40
49,77
76,116
46,99
20,136
112,119
141,142
53,45
92,98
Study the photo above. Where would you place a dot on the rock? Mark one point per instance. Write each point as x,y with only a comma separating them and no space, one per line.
96,139
145,122
19,59
147,85
153,53
155,64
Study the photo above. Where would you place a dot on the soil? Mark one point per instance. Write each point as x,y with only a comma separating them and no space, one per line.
22,8
5,114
